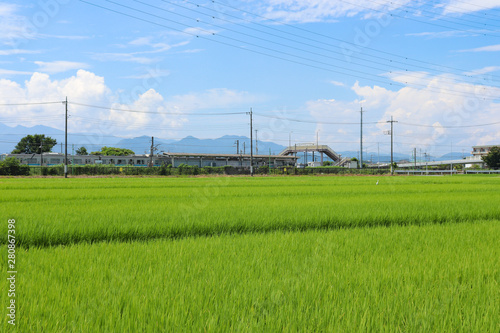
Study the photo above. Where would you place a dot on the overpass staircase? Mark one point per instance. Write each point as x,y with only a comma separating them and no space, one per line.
311,147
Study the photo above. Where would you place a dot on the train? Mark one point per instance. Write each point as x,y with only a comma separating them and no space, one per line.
174,159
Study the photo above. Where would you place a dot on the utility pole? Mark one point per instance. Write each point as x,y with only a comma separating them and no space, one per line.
451,164
251,143
361,141
415,158
237,146
152,149
244,149
378,155
392,143
66,140
269,166
256,142
425,156
41,156
296,160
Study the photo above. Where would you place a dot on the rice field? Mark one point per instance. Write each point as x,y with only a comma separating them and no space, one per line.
69,211
334,254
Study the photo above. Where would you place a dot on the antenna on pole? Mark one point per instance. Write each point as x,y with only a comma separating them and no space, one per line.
66,139
237,146
256,142
152,151
41,156
392,143
361,141
251,142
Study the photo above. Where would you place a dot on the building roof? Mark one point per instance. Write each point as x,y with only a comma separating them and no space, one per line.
486,146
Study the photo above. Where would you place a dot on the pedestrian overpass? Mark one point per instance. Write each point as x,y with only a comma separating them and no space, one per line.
315,148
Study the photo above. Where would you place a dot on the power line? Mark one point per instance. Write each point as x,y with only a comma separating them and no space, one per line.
332,38
476,5
156,112
314,65
316,122
307,43
450,126
482,17
34,103
420,11
412,19
249,43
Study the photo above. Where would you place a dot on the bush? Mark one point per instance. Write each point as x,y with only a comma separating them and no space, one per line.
262,170
12,167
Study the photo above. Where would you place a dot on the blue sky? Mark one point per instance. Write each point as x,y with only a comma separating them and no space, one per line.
304,67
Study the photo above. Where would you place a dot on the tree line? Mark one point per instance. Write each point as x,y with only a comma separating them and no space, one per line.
39,143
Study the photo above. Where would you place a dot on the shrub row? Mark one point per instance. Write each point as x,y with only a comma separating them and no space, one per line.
191,170
12,167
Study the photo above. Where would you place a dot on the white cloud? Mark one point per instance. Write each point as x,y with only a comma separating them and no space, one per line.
321,10
17,51
68,37
199,31
141,57
484,70
444,34
157,47
60,66
337,83
13,27
89,89
213,98
125,57
489,48
9,72
470,6
440,101
149,74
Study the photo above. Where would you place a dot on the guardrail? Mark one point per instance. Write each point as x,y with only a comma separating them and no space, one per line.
482,171
426,172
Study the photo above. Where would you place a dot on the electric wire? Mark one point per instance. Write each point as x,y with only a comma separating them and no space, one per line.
391,83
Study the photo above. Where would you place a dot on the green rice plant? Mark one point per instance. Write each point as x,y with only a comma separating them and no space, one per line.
66,211
432,278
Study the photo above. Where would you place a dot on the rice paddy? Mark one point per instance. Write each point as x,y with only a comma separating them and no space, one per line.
255,254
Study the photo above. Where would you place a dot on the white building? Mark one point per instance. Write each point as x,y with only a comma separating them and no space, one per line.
482,150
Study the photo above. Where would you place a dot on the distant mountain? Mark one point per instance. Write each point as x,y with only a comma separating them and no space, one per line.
374,157
10,136
453,156
142,144
224,145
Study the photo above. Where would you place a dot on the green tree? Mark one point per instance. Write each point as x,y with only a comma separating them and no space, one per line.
493,158
82,151
30,144
12,167
112,151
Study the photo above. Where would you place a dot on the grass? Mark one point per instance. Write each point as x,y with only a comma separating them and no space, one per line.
336,254
69,211
434,278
